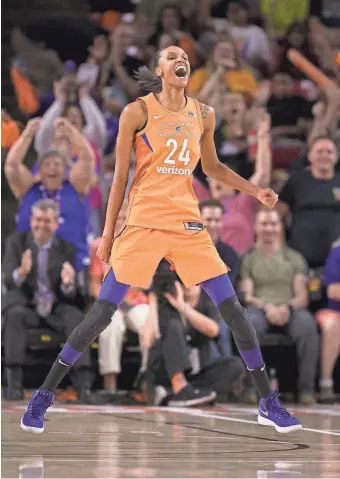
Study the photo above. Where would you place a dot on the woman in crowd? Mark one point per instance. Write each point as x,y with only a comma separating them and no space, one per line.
222,71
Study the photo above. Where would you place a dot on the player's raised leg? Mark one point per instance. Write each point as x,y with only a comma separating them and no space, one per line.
271,411
98,318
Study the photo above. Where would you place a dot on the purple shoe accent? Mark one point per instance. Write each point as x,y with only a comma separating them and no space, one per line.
272,413
69,355
219,289
33,418
252,357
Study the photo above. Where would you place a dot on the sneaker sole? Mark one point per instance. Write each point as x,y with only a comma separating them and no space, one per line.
283,430
35,430
193,402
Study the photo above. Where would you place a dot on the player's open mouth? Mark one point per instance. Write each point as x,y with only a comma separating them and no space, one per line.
181,72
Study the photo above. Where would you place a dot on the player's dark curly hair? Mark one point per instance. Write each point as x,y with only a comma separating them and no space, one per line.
147,79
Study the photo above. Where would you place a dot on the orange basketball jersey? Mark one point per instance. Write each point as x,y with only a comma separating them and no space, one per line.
167,151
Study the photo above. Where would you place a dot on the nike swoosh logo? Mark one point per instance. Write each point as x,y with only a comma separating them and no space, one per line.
62,363
157,116
263,412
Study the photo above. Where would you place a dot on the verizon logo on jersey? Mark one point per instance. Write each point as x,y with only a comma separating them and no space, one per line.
174,171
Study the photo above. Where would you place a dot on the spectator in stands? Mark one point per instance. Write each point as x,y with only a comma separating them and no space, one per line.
117,82
251,40
230,136
39,273
329,321
326,114
131,314
274,281
278,19
297,37
147,8
70,194
212,212
86,117
171,22
192,357
222,71
288,111
312,197
42,66
240,208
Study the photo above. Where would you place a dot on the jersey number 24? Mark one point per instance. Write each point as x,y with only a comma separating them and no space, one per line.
184,154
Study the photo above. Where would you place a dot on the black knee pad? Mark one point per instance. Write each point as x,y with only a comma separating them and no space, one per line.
236,317
96,320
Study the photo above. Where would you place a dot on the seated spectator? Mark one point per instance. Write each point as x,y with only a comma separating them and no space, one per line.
289,112
329,321
131,314
252,41
70,194
39,273
222,71
274,281
212,212
171,22
192,358
240,208
312,197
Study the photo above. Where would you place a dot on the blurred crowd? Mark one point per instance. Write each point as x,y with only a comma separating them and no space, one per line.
274,126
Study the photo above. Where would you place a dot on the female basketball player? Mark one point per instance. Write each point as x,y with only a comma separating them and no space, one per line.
169,133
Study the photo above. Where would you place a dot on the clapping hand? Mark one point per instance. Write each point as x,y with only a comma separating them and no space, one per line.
26,264
68,273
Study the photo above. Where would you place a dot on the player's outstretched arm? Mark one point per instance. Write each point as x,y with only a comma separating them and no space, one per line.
133,118
213,168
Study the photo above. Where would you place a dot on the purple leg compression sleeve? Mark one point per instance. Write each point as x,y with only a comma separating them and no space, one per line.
98,318
112,290
219,289
223,296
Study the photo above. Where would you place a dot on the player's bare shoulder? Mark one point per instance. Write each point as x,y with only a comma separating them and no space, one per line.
136,114
208,116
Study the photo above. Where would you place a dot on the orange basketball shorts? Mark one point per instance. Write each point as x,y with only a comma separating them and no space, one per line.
137,252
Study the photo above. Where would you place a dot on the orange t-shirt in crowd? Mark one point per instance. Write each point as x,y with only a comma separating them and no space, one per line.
238,81
134,296
167,151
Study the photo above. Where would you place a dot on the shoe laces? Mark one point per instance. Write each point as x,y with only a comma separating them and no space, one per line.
38,405
275,403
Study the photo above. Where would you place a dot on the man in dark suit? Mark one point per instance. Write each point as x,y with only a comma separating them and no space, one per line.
39,275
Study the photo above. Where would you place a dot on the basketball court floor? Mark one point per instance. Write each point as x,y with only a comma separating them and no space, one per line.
120,442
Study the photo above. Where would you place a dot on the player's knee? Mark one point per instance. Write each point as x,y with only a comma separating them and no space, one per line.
97,319
238,321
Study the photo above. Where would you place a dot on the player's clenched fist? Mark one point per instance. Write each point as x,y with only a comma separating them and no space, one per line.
268,197
104,249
